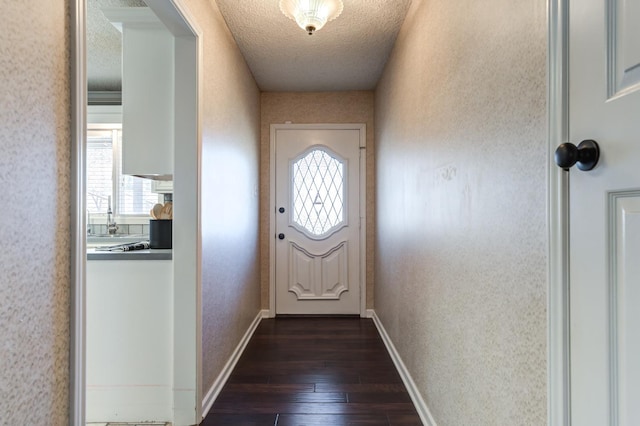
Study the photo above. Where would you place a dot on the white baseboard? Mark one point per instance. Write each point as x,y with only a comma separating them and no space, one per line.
219,383
414,393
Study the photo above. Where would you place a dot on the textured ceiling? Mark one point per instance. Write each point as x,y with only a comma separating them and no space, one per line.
104,46
349,53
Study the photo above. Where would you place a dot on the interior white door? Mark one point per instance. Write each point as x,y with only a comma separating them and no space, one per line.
317,256
604,105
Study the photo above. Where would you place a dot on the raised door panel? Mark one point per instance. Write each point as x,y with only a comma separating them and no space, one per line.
334,272
623,31
318,276
624,313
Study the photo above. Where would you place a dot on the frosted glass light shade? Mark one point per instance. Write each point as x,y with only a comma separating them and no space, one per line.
311,15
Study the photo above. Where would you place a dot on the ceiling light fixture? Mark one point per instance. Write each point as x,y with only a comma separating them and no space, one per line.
311,15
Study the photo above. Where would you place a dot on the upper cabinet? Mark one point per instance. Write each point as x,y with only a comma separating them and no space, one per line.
148,92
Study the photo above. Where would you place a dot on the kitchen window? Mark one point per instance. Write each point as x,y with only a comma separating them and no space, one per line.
129,195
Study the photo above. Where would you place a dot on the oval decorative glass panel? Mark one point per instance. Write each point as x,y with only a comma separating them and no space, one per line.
318,192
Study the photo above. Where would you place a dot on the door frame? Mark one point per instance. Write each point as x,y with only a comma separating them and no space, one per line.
78,249
362,128
187,298
558,329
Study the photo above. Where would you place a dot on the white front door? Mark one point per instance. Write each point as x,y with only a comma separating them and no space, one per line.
604,105
317,225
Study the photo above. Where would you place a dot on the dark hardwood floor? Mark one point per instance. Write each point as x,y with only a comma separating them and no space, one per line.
314,371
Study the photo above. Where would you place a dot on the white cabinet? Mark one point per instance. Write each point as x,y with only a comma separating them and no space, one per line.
129,340
148,92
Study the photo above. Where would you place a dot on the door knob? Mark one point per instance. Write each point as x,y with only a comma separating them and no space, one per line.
281,209
281,236
585,155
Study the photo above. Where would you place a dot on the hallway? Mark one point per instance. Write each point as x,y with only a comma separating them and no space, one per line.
314,371
461,264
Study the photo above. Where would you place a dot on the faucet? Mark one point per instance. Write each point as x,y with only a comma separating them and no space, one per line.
112,227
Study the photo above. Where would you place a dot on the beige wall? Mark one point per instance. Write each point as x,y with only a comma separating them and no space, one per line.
230,181
34,223
307,107
461,248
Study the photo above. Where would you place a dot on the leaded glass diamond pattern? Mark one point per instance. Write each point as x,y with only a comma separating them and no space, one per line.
318,192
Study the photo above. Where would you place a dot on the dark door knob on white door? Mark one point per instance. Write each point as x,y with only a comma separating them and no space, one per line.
585,155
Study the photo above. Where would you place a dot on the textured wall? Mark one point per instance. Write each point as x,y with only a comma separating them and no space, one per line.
320,107
461,249
34,177
230,173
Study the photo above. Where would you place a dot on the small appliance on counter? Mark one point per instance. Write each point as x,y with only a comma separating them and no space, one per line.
161,226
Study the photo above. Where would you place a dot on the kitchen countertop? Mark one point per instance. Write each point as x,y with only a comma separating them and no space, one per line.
151,254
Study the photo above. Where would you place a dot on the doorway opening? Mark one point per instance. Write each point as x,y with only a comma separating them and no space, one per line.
181,314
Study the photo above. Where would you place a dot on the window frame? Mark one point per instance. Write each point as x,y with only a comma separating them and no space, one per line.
109,118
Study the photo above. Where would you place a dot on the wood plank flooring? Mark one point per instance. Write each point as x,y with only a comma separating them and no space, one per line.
314,371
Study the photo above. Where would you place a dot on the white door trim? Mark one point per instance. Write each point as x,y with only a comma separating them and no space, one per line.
362,128
187,225
77,343
558,337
